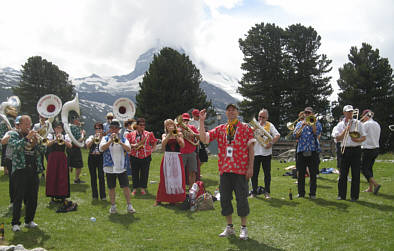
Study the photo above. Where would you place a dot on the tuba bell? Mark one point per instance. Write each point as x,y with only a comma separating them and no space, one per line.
67,107
123,109
48,106
11,107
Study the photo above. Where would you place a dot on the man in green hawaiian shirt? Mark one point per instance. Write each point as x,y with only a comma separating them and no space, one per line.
26,164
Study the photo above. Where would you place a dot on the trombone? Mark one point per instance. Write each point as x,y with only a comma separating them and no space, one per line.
352,134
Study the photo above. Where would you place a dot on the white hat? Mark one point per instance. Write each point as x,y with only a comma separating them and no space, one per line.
347,108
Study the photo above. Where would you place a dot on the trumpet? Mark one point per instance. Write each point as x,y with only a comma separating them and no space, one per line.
116,139
97,139
59,139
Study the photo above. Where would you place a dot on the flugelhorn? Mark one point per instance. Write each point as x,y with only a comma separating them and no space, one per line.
59,139
97,138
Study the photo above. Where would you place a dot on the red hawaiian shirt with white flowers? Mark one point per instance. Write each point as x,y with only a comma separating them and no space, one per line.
135,137
243,137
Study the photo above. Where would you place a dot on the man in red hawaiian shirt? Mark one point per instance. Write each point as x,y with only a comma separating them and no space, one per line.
236,154
142,144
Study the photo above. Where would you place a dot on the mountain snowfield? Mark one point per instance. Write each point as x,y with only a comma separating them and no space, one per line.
98,93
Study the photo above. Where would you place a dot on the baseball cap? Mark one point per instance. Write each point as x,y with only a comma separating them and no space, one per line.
186,116
110,114
196,112
347,108
308,109
232,105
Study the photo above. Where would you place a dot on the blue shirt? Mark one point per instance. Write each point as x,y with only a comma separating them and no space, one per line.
307,140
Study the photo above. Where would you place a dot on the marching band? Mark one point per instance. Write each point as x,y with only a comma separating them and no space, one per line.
113,153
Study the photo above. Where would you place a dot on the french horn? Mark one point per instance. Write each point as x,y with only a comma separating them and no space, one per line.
67,107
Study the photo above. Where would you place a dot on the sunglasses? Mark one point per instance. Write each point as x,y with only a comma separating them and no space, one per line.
307,112
110,117
98,128
262,117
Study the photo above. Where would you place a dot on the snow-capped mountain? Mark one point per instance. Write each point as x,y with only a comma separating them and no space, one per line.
98,93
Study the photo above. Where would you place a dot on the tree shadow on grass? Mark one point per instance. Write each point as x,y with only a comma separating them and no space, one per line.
79,188
249,244
32,238
273,202
123,219
326,179
385,208
329,203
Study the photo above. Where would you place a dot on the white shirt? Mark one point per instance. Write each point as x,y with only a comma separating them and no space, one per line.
195,123
335,132
261,150
117,154
355,123
372,130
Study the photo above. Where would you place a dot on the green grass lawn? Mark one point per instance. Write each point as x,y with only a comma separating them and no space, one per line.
276,224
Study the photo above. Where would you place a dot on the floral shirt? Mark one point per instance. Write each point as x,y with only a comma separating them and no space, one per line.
189,147
135,137
17,142
307,140
239,161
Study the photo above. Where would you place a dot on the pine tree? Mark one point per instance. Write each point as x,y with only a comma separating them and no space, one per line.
283,73
170,87
366,82
40,77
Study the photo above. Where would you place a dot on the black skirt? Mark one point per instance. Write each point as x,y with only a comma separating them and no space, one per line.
74,157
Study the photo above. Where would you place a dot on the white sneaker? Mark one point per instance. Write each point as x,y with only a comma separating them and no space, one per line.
243,235
113,210
16,228
227,232
130,209
31,224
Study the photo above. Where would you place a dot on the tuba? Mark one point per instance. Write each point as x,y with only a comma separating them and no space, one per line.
48,106
11,107
67,107
261,135
188,134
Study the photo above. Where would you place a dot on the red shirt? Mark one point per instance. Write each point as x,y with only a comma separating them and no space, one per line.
243,137
144,152
189,148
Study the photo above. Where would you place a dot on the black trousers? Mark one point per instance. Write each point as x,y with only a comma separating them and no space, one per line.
26,185
312,163
95,164
339,154
230,182
367,161
265,161
8,165
140,171
3,149
351,158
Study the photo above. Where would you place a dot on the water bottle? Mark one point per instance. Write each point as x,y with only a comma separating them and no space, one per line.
2,231
192,195
290,194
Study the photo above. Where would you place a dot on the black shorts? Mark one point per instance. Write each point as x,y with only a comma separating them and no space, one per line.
122,177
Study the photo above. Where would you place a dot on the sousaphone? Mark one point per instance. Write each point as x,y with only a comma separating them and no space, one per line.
49,106
67,107
123,109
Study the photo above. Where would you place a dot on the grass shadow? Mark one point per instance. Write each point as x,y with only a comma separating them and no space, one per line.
324,187
79,188
385,208
123,219
103,203
33,238
386,196
329,203
4,178
249,244
147,196
278,203
326,179
210,182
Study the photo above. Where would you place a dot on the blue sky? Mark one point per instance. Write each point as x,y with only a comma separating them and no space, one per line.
106,37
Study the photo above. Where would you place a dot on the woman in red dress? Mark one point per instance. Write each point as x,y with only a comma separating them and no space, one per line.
57,180
172,176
